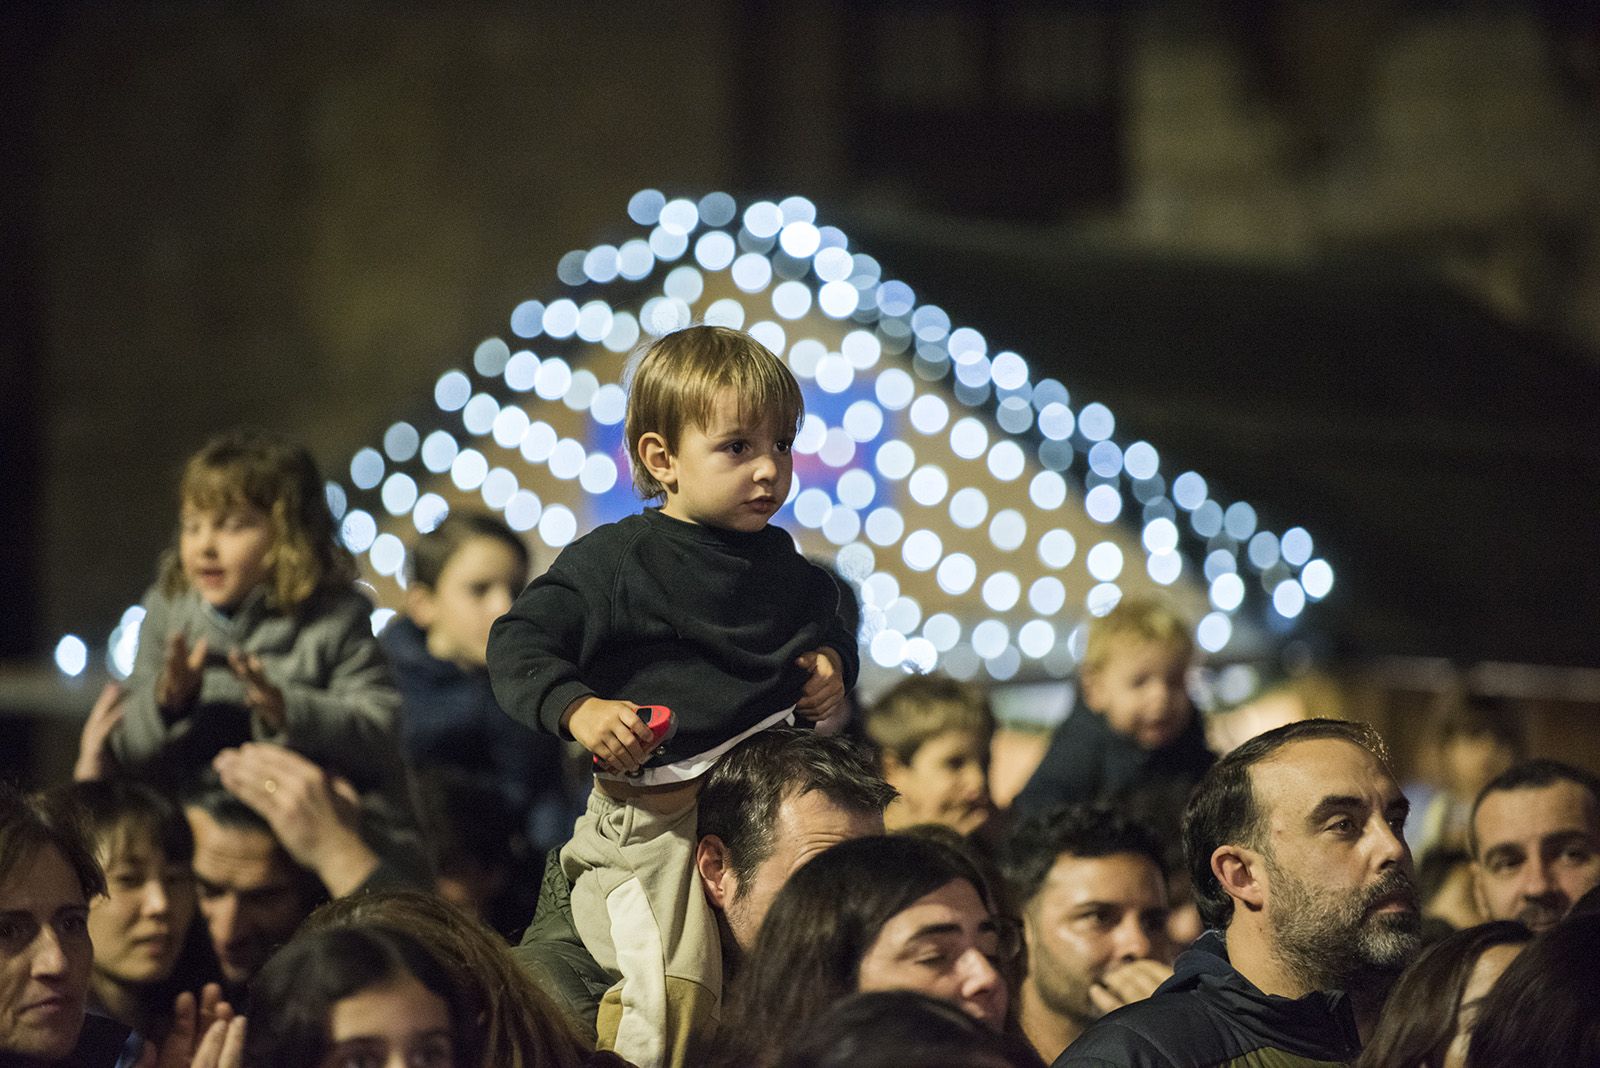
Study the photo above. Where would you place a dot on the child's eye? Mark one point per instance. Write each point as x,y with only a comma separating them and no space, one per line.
784,446
737,448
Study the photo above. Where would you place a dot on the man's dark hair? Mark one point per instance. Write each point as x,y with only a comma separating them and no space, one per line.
209,796
1533,775
1083,830
740,800
29,824
1223,809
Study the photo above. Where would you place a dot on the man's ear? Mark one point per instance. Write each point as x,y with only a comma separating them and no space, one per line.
1239,870
420,604
656,457
715,868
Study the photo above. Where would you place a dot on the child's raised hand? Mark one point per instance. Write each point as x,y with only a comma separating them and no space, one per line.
612,731
822,700
179,682
260,696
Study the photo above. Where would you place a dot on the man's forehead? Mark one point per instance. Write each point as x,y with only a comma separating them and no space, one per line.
1299,776
1532,812
810,821
1116,877
239,858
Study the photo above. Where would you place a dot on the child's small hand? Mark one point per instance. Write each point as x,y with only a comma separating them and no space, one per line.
612,731
260,696
822,700
179,682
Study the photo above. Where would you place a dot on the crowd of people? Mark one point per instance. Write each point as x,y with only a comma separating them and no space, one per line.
629,814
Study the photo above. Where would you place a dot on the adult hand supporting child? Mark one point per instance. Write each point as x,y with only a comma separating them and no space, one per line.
179,683
822,700
612,731
260,696
314,815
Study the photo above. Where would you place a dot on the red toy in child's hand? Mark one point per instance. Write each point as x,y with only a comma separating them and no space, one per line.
663,725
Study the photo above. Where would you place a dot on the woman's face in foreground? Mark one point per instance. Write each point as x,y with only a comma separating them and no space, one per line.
397,1024
946,945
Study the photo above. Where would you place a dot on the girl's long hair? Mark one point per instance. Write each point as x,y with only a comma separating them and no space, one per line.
293,997
824,920
520,1025
265,471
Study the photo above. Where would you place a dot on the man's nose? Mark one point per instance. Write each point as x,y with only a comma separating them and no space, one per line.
225,919
49,955
1537,880
1132,941
979,977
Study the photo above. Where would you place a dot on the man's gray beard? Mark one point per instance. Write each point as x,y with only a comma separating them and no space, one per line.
1333,941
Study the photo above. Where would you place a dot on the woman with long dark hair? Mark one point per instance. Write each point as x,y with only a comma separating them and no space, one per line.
1429,1016
878,913
1545,1008
358,995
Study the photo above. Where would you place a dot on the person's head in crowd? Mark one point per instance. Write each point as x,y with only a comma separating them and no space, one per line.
1541,1011
254,514
704,380
1536,842
520,1026
887,913
1475,738
894,1028
1135,671
477,847
933,734
1090,885
140,927
251,892
359,995
1296,850
464,574
1428,1019
1444,885
48,876
774,802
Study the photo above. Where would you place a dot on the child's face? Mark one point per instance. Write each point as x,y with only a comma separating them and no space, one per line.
476,587
730,474
225,553
946,781
1141,691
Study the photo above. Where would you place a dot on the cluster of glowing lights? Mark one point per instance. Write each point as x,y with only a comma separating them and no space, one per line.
903,360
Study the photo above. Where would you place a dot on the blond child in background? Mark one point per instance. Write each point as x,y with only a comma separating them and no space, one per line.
932,734
698,605
1135,741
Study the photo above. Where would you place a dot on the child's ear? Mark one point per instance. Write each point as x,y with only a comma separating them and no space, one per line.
421,607
657,459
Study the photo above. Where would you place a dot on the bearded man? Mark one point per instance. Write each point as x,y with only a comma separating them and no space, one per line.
1294,843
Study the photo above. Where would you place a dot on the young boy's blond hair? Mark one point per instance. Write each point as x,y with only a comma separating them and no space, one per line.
1142,619
923,707
675,382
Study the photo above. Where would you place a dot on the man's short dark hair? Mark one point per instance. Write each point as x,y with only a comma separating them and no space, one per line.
1082,830
207,794
1533,775
28,825
1223,809
739,803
